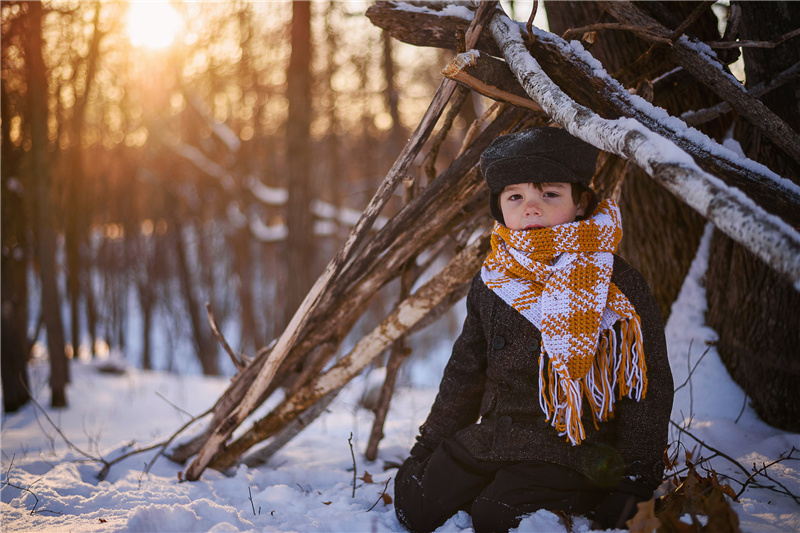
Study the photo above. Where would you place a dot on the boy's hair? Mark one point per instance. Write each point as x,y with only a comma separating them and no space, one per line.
537,155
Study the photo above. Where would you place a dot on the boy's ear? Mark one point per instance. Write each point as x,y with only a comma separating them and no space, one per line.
586,199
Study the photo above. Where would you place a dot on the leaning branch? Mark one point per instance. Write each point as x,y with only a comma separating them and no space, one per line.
254,395
413,309
694,118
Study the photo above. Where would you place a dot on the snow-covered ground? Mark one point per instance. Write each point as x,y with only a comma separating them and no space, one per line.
308,485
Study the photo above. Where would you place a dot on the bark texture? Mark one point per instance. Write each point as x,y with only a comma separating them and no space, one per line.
755,312
46,245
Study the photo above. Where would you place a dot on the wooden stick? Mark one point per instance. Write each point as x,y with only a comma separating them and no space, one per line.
755,44
490,77
701,116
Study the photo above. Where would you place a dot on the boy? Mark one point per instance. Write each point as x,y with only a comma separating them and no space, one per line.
558,392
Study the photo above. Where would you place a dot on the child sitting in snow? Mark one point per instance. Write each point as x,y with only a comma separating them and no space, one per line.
558,392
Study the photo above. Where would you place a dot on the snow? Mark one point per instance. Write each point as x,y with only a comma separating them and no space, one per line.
308,484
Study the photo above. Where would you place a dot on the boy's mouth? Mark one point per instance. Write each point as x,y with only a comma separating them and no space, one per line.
533,226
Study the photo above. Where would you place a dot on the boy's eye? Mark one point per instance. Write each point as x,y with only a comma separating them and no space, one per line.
551,194
515,197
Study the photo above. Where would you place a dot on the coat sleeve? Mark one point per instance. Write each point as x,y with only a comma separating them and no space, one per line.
457,404
643,426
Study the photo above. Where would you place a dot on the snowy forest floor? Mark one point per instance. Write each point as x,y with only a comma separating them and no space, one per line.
308,484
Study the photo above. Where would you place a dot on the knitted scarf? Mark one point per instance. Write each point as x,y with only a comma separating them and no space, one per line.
559,278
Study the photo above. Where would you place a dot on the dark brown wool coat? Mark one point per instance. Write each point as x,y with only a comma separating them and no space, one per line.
489,396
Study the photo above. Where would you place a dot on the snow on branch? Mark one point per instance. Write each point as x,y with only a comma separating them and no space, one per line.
733,212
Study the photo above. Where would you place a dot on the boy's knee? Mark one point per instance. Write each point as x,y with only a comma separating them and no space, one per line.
409,502
491,516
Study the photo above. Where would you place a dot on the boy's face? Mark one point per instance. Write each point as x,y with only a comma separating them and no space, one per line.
526,206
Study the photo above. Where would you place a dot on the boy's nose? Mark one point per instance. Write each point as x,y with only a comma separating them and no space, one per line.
532,207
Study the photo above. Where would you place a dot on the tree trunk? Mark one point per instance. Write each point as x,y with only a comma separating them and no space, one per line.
300,236
661,233
39,154
14,291
756,312
206,349
77,205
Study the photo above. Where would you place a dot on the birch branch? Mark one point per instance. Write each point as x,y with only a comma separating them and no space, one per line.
764,234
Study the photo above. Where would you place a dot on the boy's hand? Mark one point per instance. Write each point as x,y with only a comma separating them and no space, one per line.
420,452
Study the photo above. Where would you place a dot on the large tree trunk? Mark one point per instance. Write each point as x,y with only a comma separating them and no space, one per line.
14,291
39,154
300,235
756,312
661,233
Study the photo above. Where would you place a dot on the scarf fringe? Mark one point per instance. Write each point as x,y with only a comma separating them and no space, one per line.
618,364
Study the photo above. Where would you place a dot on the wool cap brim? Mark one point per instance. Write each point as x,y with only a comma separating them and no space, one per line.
537,155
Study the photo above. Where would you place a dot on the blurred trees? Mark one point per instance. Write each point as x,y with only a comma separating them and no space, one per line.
165,176
299,225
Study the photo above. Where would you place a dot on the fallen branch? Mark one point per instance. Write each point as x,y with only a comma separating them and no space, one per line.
382,495
691,19
353,455
460,269
755,44
239,363
489,77
703,66
695,118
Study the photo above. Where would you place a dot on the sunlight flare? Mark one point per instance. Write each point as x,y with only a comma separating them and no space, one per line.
153,24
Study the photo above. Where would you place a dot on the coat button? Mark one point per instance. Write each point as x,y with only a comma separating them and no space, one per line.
504,386
505,421
498,342
542,422
533,345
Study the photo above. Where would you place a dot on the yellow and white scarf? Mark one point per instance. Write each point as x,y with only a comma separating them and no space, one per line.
559,278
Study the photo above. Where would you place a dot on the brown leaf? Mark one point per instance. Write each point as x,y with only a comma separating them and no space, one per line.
102,520
386,499
367,477
566,518
644,521
326,503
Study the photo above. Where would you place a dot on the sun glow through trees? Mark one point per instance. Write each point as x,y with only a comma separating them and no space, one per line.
153,24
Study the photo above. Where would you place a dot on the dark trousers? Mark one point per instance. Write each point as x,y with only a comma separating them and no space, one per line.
496,494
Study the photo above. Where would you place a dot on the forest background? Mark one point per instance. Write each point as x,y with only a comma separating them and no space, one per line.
157,156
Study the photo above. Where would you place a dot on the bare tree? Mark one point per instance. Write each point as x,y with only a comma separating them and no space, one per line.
76,223
756,312
14,278
41,170
300,237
